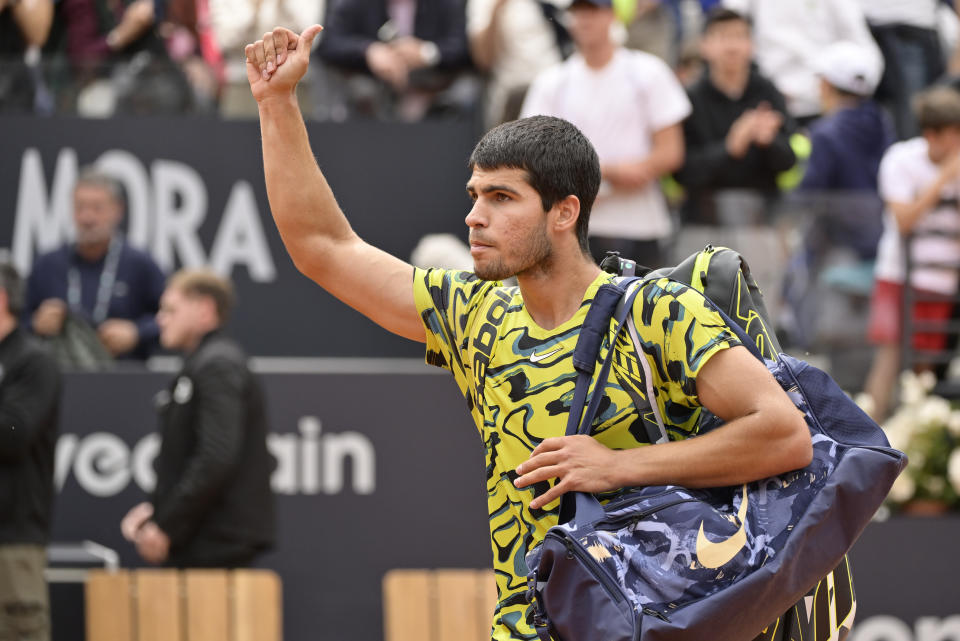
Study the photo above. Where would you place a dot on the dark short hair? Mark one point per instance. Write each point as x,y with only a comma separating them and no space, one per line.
937,108
718,15
92,177
558,159
208,284
12,284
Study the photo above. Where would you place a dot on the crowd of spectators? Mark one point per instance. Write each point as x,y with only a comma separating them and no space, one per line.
707,114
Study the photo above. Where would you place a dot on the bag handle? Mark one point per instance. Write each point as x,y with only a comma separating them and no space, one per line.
606,304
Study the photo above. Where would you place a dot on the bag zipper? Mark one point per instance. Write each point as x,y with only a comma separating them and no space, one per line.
628,518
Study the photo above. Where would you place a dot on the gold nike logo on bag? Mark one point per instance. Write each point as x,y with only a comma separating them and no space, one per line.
713,554
535,358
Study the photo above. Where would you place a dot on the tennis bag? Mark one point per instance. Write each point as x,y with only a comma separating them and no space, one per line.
723,276
668,563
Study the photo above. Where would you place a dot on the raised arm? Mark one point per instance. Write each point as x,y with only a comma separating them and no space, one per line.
314,230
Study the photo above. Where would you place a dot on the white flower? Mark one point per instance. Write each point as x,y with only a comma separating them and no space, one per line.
953,470
927,380
912,390
934,411
865,402
903,488
935,484
953,425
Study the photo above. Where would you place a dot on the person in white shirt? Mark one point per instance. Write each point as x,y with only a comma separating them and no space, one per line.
920,185
512,41
631,106
789,37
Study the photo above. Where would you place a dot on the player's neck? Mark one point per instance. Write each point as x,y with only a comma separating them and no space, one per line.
552,296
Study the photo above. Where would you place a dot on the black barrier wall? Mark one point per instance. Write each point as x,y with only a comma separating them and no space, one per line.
196,196
379,471
374,472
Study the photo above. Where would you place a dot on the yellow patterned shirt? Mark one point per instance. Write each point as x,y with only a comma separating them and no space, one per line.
518,380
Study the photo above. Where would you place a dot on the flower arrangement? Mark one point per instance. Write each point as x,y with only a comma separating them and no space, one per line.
927,428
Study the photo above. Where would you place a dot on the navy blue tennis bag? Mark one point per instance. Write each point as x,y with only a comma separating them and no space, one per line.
668,563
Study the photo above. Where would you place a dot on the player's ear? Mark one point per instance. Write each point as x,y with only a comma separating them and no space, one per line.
567,212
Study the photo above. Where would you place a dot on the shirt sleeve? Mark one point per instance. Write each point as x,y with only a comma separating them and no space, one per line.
667,102
447,302
894,180
680,331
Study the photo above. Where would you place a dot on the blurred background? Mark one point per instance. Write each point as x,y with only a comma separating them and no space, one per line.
795,133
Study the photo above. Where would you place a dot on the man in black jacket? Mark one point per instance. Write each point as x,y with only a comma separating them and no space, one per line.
212,506
29,411
415,48
738,135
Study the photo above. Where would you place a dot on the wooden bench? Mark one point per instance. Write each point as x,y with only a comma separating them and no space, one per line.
438,605
183,605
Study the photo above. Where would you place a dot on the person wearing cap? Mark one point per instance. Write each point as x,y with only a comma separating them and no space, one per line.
848,142
919,183
630,105
839,186
738,135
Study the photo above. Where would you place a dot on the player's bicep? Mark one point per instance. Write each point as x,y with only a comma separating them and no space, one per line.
734,384
369,280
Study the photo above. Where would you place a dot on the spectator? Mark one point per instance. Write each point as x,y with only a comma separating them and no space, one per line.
906,31
790,35
187,32
29,409
414,48
847,144
118,61
24,27
513,41
920,188
98,280
235,23
839,189
738,135
213,506
630,106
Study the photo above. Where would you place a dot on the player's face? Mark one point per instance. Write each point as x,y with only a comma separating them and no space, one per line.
96,214
180,319
508,226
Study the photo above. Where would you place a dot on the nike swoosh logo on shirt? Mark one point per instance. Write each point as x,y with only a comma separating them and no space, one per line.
536,358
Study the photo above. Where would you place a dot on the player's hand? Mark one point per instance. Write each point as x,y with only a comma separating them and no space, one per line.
119,336
578,463
153,544
49,317
135,518
276,63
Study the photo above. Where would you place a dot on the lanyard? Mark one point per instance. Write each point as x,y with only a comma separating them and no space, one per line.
105,288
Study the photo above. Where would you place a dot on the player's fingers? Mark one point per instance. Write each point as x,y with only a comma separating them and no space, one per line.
549,496
306,38
259,60
548,445
281,41
269,52
538,476
537,461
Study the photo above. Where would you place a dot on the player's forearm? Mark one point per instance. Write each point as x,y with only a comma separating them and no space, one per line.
747,449
303,206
